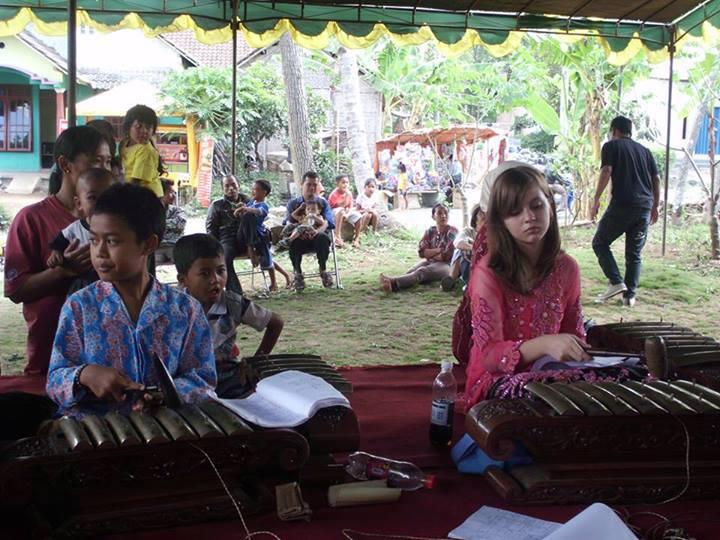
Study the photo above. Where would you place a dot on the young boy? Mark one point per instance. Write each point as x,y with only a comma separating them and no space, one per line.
109,331
255,212
91,184
369,209
200,263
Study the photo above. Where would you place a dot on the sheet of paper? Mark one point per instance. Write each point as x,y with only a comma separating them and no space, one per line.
286,399
490,523
596,522
300,392
260,411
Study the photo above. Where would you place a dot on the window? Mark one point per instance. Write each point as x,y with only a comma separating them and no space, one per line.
15,119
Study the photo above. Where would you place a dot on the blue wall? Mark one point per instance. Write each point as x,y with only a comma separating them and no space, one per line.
23,161
703,142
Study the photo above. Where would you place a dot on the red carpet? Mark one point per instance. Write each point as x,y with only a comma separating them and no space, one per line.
393,406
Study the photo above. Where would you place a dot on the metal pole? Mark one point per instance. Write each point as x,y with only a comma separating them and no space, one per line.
72,62
671,49
234,25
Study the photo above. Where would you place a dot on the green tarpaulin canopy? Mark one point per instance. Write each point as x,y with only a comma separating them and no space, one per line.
625,27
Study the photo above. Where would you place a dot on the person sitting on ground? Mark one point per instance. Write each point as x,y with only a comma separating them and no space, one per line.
368,206
253,234
525,294
343,207
312,240
462,256
28,279
140,159
222,225
200,264
435,248
110,331
91,184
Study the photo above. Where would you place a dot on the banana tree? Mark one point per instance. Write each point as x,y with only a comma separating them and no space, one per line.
573,102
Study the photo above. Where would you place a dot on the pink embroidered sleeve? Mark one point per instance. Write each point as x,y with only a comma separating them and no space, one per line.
572,321
492,350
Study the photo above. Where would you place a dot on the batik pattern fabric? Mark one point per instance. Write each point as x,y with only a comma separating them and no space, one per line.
96,329
434,238
503,319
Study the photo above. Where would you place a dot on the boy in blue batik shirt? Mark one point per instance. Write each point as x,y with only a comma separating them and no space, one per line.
253,233
109,331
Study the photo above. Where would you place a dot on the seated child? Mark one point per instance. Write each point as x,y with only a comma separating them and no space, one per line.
109,331
90,185
309,218
368,206
343,207
462,256
200,263
253,235
524,295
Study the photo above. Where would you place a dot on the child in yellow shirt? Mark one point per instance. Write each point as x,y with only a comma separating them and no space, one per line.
140,159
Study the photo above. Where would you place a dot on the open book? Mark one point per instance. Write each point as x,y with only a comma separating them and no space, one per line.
286,399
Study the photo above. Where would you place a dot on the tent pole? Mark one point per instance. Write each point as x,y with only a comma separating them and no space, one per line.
72,62
671,49
234,26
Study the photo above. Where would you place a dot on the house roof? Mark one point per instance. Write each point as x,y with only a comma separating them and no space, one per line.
200,54
117,100
107,60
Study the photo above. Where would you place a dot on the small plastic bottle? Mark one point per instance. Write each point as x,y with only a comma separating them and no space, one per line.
444,392
399,474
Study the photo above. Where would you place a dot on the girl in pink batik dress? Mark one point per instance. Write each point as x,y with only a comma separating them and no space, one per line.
524,295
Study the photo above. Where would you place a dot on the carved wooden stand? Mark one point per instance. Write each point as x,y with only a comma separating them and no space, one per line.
581,458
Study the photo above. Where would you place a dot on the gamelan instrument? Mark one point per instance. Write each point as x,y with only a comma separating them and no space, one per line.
117,473
629,442
260,367
670,351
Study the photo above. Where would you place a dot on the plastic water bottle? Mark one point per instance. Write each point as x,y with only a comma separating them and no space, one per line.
399,474
444,391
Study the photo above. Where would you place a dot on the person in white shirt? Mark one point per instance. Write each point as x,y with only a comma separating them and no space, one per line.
368,205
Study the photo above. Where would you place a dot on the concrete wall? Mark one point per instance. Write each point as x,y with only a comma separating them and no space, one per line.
19,57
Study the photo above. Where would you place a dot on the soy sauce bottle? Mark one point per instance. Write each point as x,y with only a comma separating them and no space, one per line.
444,391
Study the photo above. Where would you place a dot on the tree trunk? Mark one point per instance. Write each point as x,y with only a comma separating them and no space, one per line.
685,164
355,121
713,220
298,119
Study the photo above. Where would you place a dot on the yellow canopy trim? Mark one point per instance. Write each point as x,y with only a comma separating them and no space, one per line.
470,39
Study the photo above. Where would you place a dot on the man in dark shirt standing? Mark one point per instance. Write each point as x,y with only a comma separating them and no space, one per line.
633,206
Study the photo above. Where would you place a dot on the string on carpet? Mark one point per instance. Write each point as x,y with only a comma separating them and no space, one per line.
248,534
687,462
665,528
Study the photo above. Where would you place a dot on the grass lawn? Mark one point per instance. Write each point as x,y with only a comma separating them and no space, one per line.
360,325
